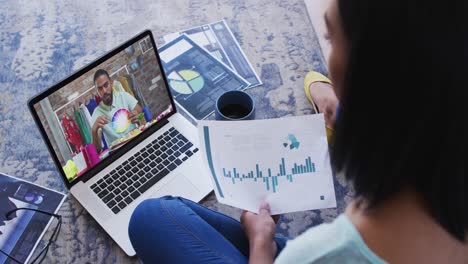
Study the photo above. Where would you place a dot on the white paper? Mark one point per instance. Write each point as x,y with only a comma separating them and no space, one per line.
242,145
175,51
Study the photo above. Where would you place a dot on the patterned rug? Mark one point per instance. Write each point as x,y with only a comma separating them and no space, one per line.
44,41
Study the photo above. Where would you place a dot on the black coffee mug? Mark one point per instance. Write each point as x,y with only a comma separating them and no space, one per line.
235,105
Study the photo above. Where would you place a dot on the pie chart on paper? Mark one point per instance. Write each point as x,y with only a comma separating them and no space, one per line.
186,81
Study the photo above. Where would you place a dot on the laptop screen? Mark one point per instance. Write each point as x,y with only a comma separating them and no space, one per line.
90,118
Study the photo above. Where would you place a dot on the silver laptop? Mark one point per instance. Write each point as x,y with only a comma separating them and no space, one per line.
115,135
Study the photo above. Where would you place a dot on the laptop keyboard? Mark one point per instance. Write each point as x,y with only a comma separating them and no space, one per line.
141,171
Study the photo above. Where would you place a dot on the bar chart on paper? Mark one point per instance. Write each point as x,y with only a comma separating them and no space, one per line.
271,179
288,167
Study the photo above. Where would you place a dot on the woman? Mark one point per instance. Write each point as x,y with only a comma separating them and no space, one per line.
399,70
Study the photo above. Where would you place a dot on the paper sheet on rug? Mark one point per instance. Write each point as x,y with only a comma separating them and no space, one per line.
195,77
219,40
284,162
21,233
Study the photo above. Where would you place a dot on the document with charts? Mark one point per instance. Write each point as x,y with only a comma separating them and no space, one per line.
195,77
20,233
218,39
284,162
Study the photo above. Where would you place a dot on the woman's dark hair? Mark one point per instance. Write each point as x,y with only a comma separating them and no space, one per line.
401,123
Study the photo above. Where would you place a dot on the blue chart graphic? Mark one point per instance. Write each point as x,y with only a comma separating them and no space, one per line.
206,132
306,168
292,142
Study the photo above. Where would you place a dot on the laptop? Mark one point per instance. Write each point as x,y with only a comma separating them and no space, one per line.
115,135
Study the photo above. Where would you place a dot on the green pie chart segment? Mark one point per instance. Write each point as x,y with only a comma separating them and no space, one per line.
180,87
188,74
186,81
197,84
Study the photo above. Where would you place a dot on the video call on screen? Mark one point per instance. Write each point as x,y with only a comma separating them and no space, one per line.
93,116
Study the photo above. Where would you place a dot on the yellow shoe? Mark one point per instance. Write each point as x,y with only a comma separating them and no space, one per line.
310,78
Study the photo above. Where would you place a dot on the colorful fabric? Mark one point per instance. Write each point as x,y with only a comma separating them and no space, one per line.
71,132
91,105
98,99
87,120
126,85
117,87
70,170
85,133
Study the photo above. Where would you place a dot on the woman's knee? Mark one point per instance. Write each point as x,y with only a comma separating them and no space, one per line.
148,213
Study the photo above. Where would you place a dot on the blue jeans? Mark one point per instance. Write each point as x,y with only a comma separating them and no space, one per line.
177,230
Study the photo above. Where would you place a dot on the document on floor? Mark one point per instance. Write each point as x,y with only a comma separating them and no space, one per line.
284,162
22,230
195,77
218,39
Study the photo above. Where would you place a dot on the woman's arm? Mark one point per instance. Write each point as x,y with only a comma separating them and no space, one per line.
260,230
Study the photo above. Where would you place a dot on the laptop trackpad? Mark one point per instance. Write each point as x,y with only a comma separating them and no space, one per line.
179,186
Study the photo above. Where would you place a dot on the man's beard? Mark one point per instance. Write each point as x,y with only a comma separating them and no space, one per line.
107,99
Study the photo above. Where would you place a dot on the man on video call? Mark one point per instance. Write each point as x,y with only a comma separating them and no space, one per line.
111,101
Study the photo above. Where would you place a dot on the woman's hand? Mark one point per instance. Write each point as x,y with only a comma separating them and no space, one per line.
260,230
